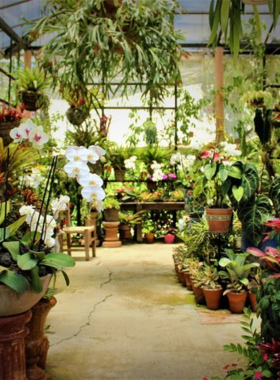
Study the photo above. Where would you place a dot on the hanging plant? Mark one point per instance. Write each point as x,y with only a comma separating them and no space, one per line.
102,40
225,18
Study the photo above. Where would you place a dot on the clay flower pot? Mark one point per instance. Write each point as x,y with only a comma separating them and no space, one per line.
213,297
237,301
219,219
169,238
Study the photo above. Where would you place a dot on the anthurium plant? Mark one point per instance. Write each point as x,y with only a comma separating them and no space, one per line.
237,270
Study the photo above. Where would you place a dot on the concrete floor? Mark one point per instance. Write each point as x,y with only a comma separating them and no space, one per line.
126,317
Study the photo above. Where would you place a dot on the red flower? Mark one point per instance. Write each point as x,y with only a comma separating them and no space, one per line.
265,357
234,364
206,154
205,378
226,367
258,375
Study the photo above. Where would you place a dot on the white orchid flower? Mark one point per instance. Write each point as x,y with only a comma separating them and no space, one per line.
92,155
90,180
17,135
76,168
26,127
92,193
77,153
38,137
49,241
100,151
28,211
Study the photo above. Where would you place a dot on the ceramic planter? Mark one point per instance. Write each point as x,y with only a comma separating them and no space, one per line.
213,297
13,303
111,215
169,238
219,219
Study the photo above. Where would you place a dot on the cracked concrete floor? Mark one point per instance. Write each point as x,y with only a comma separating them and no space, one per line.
126,317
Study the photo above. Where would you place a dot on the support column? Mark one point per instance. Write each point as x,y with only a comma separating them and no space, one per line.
27,58
219,98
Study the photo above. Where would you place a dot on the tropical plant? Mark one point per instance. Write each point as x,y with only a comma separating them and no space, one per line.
237,270
210,277
131,219
225,19
136,39
25,259
111,202
257,359
8,113
117,155
33,81
148,226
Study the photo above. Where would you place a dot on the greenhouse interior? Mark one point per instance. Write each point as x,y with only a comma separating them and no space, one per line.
139,179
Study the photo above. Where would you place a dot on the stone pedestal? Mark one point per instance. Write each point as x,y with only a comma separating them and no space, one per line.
37,344
111,235
13,331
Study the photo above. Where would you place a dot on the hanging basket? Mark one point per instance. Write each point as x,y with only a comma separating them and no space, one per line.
31,100
77,116
5,128
219,219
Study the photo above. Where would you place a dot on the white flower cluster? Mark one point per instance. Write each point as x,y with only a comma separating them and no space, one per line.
30,132
130,163
33,180
157,172
230,149
183,162
33,218
77,168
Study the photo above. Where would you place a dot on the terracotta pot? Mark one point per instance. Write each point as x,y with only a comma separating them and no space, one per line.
111,215
198,294
5,129
181,277
125,231
151,185
237,302
36,342
253,301
169,238
213,297
13,303
188,281
219,219
12,346
150,237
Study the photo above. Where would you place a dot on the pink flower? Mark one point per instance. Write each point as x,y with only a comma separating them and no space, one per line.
206,154
216,157
258,375
172,175
265,357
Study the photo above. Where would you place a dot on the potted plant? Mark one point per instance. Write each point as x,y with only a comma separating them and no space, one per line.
212,288
215,182
32,84
237,273
149,230
117,155
197,276
10,118
127,222
111,209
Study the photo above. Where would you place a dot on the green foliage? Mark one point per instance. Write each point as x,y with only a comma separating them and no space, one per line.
237,270
148,226
32,80
111,202
130,218
137,40
150,130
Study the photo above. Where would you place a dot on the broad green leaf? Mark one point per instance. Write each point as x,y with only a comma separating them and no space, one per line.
36,283
29,236
11,229
210,170
27,261
15,281
237,192
224,261
224,14
13,248
58,260
4,205
234,171
223,173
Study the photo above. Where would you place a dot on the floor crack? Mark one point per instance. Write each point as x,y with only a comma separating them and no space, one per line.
90,313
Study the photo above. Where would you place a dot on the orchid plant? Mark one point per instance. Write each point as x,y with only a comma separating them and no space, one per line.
78,168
